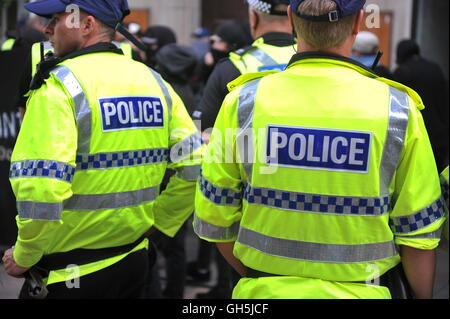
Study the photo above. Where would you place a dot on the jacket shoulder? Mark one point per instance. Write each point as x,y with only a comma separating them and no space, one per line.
410,92
248,77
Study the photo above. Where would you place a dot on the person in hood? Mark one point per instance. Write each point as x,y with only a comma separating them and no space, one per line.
427,79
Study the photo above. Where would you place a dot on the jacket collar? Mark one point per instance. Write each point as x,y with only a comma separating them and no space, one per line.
328,56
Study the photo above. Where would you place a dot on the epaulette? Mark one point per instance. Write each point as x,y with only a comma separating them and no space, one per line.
244,50
411,93
247,78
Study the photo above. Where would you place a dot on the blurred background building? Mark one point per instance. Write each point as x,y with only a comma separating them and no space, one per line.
426,21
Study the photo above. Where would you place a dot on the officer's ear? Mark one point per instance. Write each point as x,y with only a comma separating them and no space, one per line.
358,22
291,21
89,25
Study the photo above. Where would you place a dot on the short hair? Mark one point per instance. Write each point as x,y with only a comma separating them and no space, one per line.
106,30
322,35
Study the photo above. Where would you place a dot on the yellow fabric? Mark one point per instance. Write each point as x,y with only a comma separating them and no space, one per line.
61,275
50,132
303,85
305,288
8,45
247,63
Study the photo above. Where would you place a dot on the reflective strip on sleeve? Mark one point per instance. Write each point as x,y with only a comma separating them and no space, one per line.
189,173
244,139
112,200
183,149
82,109
122,159
395,139
316,252
219,195
42,168
213,232
433,235
39,211
317,203
262,57
417,221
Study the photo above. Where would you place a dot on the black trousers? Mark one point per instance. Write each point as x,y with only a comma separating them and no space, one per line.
125,279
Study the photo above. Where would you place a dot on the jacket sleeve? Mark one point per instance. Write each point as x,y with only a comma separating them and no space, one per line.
176,202
42,169
218,202
418,213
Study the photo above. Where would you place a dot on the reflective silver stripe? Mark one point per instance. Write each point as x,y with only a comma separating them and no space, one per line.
183,149
395,139
39,211
263,57
189,173
42,168
433,235
417,221
213,232
47,47
166,92
82,109
219,195
122,159
244,139
317,203
316,252
112,200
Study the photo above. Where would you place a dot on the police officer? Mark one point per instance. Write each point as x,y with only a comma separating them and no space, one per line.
272,49
308,168
96,140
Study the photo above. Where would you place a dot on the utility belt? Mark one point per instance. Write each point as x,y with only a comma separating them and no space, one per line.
36,289
394,279
81,257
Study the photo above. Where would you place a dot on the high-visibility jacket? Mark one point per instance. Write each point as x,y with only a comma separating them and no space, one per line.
40,49
95,143
261,57
445,194
317,173
8,45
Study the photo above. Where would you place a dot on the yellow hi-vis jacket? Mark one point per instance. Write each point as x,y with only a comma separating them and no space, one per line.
261,57
317,173
445,194
95,143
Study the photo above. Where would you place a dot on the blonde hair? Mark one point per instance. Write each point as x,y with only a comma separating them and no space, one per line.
322,35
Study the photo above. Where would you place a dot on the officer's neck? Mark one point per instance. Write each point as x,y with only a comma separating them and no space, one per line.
343,50
94,40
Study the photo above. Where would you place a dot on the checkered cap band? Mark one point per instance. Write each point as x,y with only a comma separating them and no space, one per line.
42,168
415,222
316,203
260,5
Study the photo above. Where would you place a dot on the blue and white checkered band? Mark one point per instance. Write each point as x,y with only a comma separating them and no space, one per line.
260,5
42,168
316,203
415,222
122,159
219,195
